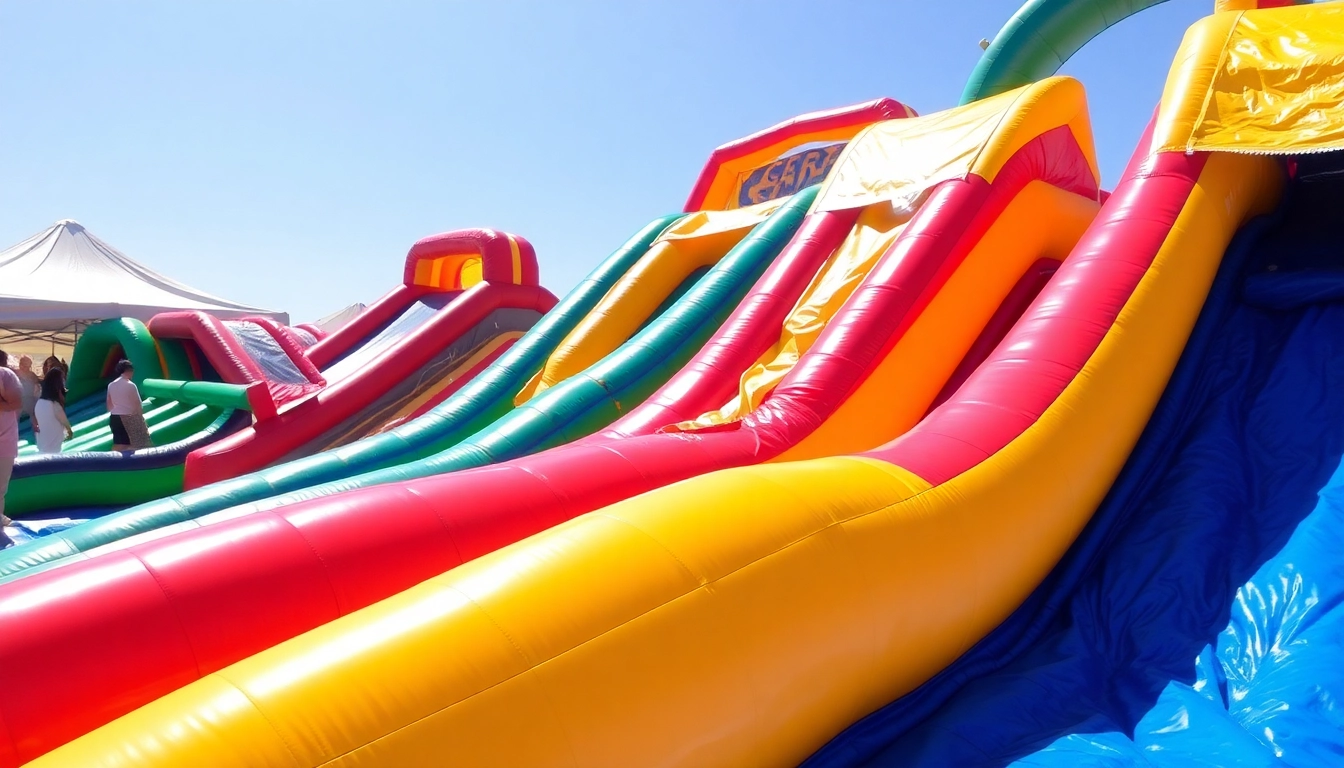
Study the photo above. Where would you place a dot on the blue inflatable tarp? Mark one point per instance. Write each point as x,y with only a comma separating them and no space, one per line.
1197,620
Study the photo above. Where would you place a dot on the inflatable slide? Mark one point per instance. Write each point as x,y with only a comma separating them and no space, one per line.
1196,619
904,494
182,412
293,394
464,297
932,272
671,287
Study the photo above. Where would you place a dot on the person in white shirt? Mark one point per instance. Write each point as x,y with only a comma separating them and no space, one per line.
11,403
126,416
50,422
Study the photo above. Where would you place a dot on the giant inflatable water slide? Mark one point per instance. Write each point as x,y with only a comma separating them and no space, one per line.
904,444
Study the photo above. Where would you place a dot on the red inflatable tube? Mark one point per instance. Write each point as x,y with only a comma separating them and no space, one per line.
813,122
1012,308
260,402
269,441
1032,366
328,350
318,333
213,338
290,343
222,349
161,613
504,258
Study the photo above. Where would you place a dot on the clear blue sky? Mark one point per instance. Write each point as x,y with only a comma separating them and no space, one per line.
286,153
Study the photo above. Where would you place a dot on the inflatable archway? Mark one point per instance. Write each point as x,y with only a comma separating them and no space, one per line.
457,260
99,348
1044,34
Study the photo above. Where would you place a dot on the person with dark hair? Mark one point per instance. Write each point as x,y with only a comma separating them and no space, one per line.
126,415
50,413
11,402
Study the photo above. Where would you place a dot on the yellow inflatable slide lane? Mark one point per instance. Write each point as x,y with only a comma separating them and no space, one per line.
1040,223
698,240
745,617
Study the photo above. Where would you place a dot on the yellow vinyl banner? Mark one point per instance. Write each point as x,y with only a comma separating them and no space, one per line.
1264,81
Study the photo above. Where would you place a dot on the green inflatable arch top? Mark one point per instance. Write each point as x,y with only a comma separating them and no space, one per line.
1040,37
88,363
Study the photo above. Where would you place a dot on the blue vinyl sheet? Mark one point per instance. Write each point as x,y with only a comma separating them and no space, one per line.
1197,620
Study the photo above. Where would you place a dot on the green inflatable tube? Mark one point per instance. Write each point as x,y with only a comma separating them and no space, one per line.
100,488
1040,37
88,361
214,393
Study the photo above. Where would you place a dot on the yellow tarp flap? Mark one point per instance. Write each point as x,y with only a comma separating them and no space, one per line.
876,230
713,222
897,161
697,240
1264,81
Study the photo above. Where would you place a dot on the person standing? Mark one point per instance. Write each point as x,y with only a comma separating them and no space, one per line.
55,427
11,402
126,415
31,386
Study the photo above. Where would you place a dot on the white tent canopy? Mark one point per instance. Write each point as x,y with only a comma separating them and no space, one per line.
337,320
60,280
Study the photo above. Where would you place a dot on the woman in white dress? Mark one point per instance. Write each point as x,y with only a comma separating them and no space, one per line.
53,426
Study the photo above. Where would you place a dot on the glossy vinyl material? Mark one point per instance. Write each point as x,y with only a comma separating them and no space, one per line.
1039,38
711,377
89,362
749,628
480,271
217,609
457,260
106,478
473,366
469,313
898,161
317,332
1013,306
585,403
876,228
293,346
247,398
366,324
464,518
713,188
1043,34
1258,81
477,404
695,242
226,354
1195,621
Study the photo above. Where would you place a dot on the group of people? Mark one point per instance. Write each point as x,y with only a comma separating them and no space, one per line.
43,399
44,402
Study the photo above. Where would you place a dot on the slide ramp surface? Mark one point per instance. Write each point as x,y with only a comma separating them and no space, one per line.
888,286
1196,620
